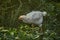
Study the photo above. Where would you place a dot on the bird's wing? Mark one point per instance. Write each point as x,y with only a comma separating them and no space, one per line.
36,16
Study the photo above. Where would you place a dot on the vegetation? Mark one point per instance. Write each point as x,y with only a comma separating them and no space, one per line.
13,29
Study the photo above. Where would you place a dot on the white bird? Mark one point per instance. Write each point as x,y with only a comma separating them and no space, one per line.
34,17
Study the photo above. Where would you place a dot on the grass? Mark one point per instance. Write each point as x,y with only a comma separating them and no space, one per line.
18,33
24,32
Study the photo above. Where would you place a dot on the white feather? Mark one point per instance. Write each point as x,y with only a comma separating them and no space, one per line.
44,13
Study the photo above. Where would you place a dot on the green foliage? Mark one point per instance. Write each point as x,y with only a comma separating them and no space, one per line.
12,29
25,33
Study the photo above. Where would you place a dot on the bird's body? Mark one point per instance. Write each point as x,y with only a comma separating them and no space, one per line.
34,17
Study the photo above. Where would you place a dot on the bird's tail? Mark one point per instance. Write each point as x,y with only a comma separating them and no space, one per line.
44,13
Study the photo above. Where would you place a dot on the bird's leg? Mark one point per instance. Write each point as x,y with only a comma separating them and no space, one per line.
32,25
40,25
41,29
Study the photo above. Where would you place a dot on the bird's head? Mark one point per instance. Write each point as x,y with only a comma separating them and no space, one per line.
21,17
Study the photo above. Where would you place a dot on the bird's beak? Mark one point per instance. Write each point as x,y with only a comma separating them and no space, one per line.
21,17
